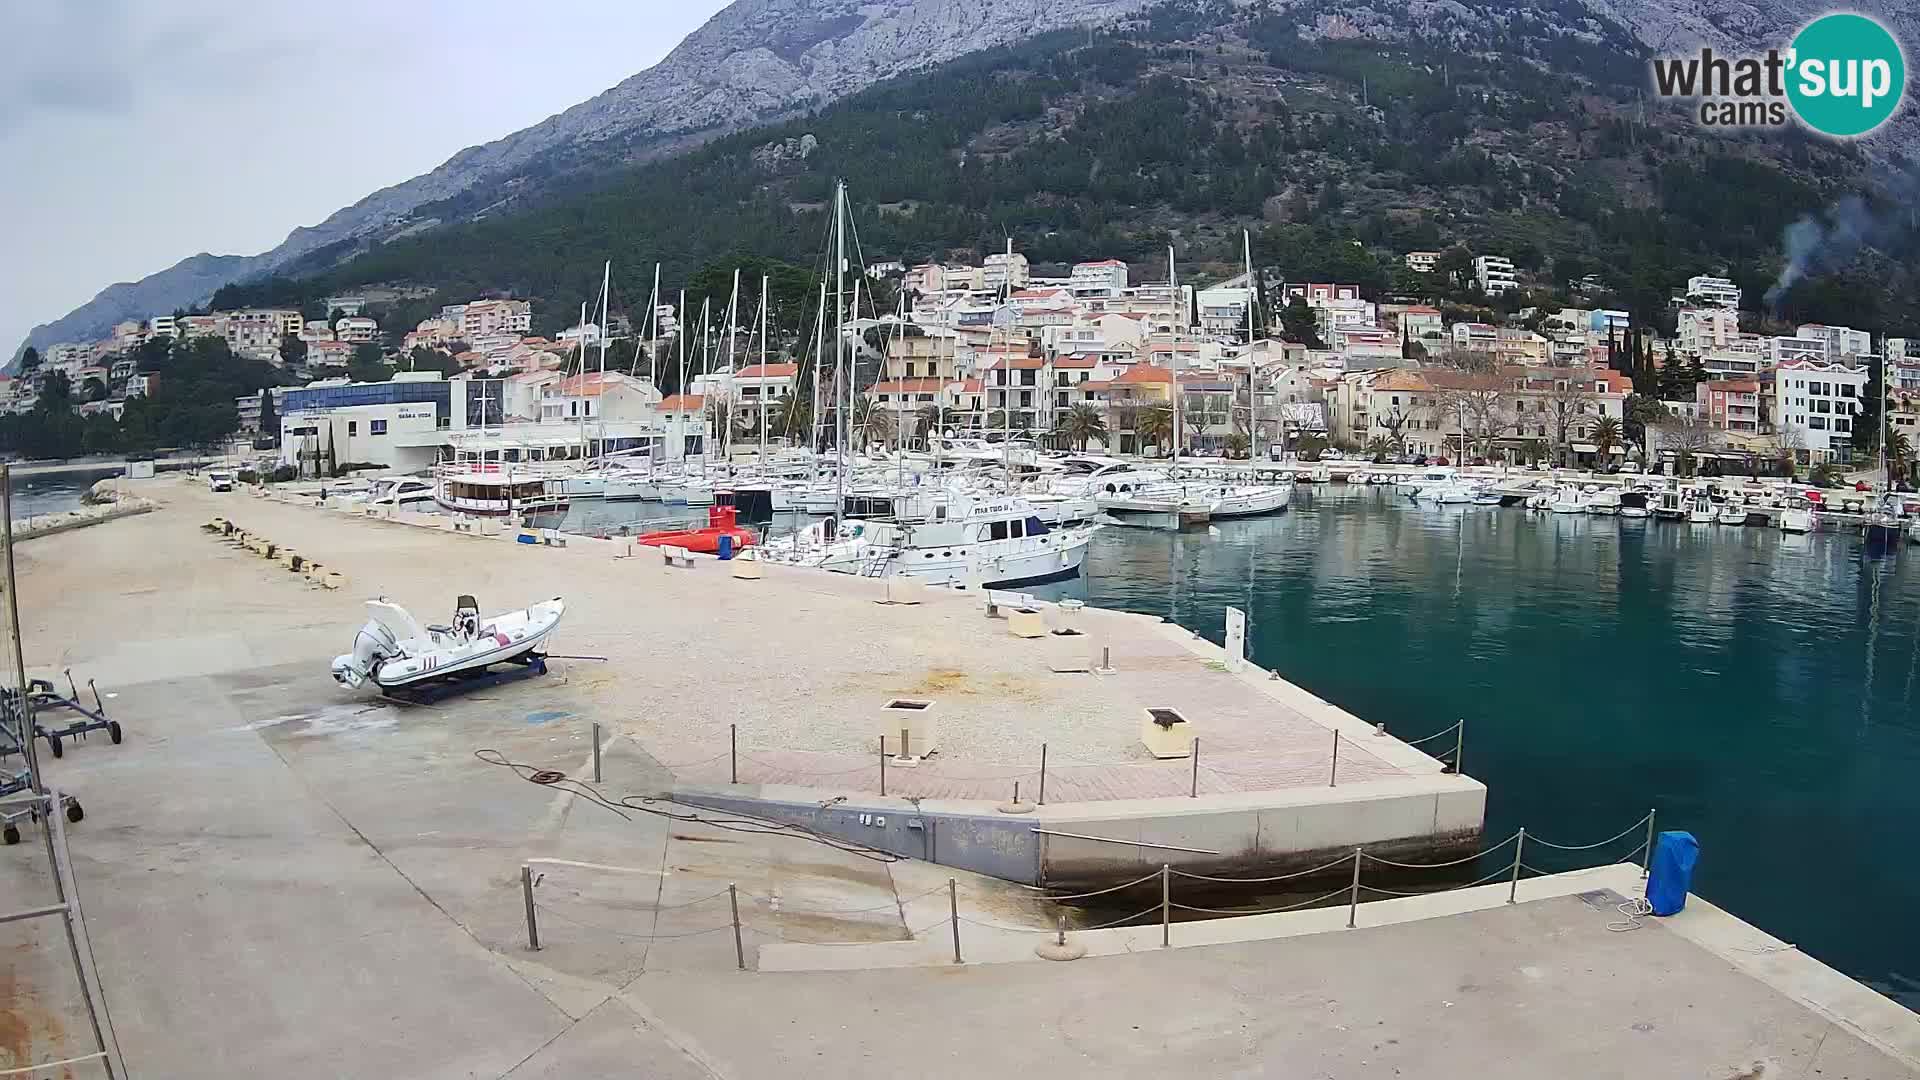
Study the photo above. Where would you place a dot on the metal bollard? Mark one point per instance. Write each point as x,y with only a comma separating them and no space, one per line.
526,891
1646,857
1194,791
739,950
1352,896
953,915
1519,846
883,765
596,751
1459,741
1333,774
1166,905
1043,774
733,753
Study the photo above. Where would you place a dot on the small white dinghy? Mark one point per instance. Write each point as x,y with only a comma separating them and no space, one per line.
397,653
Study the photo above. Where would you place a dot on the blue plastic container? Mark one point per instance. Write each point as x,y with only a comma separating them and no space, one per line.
726,547
1674,855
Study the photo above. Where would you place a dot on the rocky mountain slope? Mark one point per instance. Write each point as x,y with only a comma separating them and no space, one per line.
753,61
759,60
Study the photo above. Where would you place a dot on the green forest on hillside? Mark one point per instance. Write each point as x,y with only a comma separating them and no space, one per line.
1339,154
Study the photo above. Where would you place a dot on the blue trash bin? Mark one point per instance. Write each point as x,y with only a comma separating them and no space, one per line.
1671,876
726,547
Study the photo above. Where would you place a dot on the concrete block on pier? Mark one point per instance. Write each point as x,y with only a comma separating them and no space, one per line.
1026,623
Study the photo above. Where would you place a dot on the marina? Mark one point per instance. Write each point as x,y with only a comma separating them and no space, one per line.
789,705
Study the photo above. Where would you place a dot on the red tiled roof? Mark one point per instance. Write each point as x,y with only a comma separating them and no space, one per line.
684,403
1145,373
1073,363
768,371
1103,262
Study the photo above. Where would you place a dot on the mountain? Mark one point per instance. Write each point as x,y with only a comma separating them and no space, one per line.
768,61
755,60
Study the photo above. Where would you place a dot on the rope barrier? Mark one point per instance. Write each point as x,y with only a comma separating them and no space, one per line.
895,903
1448,730
690,764
1263,880
807,772
690,903
1102,892
1263,911
1116,922
1029,929
1482,853
1503,872
650,936
1532,839
911,935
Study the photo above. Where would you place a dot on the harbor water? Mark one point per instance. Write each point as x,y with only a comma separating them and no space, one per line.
35,494
1758,689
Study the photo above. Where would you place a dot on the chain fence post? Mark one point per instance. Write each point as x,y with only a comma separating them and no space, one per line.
1043,775
953,915
1519,847
1353,893
596,751
1333,774
733,753
1194,791
1166,905
739,950
883,766
1459,741
1646,856
526,892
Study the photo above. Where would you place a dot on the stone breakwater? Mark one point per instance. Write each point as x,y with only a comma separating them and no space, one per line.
103,502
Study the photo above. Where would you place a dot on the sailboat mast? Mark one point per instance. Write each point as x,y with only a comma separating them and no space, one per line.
680,388
839,340
653,333
814,416
1253,390
580,379
606,321
1173,364
764,329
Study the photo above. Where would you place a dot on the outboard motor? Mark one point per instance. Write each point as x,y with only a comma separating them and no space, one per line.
371,647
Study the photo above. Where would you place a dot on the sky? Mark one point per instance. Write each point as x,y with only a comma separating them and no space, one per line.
134,133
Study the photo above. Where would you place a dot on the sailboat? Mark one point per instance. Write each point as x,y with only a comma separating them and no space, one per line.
1886,521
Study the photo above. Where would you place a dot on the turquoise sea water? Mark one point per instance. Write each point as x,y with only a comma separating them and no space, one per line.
1758,689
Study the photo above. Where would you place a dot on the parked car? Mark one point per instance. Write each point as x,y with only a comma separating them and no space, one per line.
219,480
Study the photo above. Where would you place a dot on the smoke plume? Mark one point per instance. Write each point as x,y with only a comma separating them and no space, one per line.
1823,242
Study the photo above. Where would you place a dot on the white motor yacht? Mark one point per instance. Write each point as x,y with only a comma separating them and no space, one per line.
1799,515
1671,505
985,541
1567,500
1731,513
1700,509
1604,503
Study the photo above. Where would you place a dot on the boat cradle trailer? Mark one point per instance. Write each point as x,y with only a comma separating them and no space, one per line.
45,699
42,695
524,666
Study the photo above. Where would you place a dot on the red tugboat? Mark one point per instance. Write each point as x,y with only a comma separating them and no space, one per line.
720,524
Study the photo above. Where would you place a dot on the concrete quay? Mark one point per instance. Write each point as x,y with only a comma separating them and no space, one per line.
283,879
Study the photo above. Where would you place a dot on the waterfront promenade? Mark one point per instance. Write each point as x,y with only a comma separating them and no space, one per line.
284,879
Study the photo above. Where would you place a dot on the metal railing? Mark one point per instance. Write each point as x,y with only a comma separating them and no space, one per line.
1512,870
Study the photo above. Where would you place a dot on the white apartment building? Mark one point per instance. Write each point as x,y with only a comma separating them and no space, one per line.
1108,277
1476,337
925,278
1703,329
1494,273
1782,349
257,332
316,331
1840,341
162,326
356,329
1713,291
1004,271
479,318
1818,400
346,305
1224,310
1422,262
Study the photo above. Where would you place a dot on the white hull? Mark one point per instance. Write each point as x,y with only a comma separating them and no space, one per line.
1635,512
1796,521
1700,517
992,564
618,489
1251,502
394,652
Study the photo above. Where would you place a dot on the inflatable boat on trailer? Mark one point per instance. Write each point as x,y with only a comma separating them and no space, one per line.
407,660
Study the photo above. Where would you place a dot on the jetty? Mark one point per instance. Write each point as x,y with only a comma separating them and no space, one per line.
281,877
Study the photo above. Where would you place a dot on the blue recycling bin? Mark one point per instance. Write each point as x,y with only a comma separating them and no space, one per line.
726,547
1670,876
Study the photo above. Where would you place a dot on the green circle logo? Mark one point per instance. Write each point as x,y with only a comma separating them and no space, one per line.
1846,75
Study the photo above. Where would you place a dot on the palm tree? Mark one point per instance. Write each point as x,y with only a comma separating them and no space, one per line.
1606,436
794,419
1378,448
1155,425
871,423
1082,424
926,423
1237,443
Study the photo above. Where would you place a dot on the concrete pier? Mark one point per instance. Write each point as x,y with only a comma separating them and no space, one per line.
284,879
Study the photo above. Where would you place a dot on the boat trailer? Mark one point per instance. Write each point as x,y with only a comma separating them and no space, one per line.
45,699
525,666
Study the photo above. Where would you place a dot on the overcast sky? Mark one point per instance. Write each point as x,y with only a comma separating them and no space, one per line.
134,133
